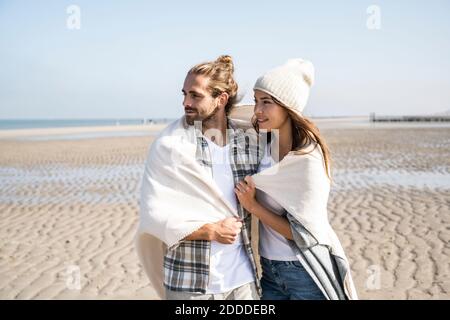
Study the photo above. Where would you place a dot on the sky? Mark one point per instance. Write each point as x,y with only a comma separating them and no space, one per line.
129,58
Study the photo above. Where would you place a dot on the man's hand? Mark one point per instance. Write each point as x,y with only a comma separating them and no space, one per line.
224,231
227,230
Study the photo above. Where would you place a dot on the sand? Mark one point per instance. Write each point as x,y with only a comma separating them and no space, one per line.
390,206
69,209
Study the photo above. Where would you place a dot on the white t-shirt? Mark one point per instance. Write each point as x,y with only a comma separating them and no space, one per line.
230,265
272,245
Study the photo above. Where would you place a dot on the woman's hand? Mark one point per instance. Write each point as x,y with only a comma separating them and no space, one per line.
245,191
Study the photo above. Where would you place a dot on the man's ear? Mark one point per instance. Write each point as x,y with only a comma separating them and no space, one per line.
223,99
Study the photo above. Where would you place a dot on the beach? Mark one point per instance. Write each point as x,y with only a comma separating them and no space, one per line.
69,210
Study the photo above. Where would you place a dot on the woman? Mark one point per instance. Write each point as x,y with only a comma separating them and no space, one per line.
301,256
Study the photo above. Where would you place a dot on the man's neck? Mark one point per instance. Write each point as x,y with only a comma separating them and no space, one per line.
215,129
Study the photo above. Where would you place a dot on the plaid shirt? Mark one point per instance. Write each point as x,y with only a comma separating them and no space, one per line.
186,264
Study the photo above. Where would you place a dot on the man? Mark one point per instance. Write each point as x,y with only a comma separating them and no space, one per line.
188,201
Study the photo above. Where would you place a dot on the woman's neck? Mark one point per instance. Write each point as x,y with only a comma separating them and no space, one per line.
284,139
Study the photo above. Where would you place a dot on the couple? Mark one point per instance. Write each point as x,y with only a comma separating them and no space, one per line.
209,185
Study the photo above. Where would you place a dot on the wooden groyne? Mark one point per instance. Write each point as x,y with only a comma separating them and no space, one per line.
431,118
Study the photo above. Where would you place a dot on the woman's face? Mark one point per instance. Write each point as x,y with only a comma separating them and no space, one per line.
268,113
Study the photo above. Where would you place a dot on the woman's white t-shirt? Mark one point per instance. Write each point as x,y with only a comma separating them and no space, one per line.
272,245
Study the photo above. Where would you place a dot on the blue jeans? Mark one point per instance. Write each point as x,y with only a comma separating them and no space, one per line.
287,280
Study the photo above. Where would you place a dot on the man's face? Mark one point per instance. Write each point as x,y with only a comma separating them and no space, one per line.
198,102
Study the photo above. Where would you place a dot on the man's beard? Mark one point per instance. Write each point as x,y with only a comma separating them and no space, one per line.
202,118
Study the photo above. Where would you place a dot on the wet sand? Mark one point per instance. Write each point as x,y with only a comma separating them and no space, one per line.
390,206
70,207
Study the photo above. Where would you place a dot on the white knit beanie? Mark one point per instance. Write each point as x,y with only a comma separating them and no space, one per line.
289,83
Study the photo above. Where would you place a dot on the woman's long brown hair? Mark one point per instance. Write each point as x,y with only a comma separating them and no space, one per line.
305,133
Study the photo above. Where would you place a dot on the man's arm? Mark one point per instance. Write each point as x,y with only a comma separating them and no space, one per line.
206,232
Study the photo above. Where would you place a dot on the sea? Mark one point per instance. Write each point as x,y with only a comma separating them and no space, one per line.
17,124
11,124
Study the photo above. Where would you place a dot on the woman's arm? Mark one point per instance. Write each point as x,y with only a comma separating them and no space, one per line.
245,191
278,223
